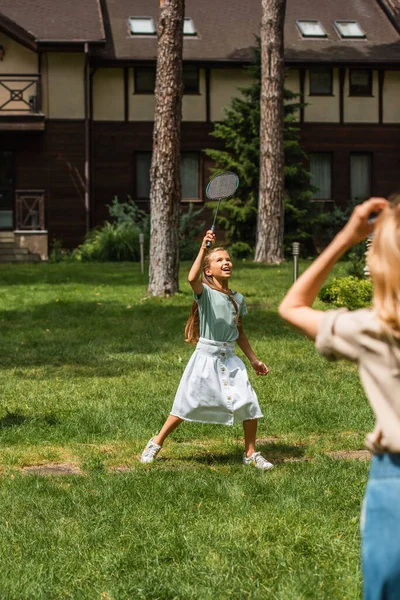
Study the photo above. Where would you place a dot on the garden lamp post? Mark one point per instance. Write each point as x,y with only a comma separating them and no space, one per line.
295,252
141,243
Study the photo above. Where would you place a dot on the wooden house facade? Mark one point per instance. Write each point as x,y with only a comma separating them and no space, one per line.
77,102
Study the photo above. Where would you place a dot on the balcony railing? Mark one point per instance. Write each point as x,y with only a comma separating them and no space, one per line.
20,93
30,210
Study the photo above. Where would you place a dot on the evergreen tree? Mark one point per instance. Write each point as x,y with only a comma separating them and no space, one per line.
240,132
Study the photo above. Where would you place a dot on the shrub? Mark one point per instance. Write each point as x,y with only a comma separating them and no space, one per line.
113,242
240,250
348,291
58,253
189,232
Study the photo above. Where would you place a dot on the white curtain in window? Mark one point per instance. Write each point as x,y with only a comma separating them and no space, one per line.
190,175
360,173
321,175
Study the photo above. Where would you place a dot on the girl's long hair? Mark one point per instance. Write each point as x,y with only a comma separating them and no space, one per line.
192,329
384,265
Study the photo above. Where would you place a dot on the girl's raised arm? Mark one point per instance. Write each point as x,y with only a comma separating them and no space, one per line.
296,306
197,267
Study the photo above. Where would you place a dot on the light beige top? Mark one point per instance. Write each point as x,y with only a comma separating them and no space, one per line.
358,336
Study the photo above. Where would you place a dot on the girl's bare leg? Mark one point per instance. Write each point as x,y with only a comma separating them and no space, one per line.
250,434
169,426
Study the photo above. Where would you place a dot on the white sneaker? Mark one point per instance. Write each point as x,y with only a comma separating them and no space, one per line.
258,461
150,452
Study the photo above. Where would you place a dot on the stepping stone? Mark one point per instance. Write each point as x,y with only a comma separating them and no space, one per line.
351,454
53,469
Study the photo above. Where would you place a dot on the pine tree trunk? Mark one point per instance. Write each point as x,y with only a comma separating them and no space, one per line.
165,186
270,223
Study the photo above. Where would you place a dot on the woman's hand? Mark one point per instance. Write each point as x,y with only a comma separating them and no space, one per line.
359,226
259,367
209,237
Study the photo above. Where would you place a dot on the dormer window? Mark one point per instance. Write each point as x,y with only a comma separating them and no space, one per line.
349,30
188,27
142,26
311,29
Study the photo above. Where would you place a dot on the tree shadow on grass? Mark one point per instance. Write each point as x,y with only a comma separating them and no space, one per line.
17,419
108,337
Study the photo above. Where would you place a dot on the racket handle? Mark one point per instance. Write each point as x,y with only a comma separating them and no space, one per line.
208,244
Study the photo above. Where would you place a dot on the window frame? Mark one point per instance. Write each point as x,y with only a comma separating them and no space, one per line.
323,36
337,24
142,33
199,153
331,155
369,93
141,68
136,71
371,159
189,35
10,188
316,70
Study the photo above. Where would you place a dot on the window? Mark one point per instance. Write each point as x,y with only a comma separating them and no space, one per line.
188,27
142,26
190,176
349,29
311,29
360,176
360,82
145,80
143,164
191,80
321,175
321,82
190,169
6,190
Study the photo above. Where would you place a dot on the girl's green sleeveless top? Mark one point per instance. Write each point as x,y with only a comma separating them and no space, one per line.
217,314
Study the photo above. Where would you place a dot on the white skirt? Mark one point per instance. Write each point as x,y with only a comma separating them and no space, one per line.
215,387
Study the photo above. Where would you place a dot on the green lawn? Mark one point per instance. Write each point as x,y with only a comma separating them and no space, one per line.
89,368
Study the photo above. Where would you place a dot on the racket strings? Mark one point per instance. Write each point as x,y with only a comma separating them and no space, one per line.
222,186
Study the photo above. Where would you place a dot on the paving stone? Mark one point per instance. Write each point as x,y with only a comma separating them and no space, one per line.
351,454
53,469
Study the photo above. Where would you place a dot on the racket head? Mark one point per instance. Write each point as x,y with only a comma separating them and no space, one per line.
222,186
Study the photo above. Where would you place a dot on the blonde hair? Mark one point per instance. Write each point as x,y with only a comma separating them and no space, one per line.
384,265
192,329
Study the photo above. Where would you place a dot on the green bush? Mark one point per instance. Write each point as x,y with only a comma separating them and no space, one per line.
240,250
190,230
348,291
113,242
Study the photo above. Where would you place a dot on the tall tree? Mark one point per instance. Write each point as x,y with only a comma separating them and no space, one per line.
270,223
165,186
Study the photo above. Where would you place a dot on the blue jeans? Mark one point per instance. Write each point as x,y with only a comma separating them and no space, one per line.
380,530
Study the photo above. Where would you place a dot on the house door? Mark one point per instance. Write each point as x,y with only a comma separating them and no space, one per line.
6,191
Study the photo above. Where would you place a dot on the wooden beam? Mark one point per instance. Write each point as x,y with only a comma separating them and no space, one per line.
208,96
302,76
342,77
126,94
381,81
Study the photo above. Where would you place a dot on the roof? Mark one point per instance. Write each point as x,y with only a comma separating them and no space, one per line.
54,20
227,28
382,43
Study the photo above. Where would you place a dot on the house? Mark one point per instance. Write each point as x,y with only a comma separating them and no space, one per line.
77,102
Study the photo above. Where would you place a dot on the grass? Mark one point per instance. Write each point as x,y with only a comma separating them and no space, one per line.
88,372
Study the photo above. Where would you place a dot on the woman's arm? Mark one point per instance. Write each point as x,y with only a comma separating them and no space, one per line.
244,344
196,270
296,306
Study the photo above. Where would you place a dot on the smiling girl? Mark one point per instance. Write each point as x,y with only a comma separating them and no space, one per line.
215,387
